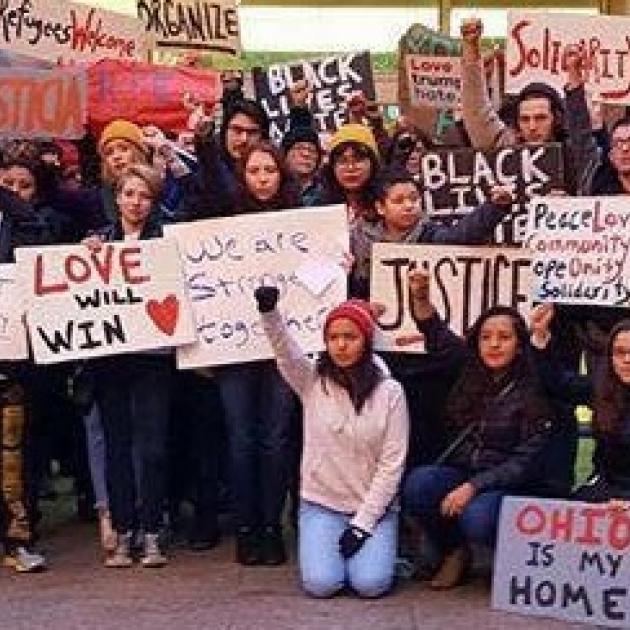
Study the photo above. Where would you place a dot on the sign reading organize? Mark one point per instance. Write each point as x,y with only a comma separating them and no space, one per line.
127,297
563,559
456,181
580,250
331,80
464,282
536,43
225,260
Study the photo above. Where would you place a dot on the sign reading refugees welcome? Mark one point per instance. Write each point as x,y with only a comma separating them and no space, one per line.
125,297
331,81
563,559
536,45
227,259
464,283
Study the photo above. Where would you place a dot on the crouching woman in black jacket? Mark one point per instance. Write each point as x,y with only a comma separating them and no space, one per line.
498,422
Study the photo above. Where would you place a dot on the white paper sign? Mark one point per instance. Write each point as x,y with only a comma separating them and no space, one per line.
127,297
226,259
53,30
580,250
464,282
13,343
434,81
536,43
563,559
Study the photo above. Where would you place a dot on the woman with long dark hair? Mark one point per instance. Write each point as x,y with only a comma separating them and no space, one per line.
499,424
355,444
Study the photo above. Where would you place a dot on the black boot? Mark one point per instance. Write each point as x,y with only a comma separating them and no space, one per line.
272,546
247,546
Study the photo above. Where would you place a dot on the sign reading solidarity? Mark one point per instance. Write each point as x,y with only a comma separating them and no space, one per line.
563,559
580,250
186,25
147,94
42,103
227,259
536,44
68,30
434,81
456,181
126,297
13,343
464,283
331,80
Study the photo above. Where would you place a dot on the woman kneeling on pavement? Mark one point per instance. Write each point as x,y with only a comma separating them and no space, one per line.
355,444
499,424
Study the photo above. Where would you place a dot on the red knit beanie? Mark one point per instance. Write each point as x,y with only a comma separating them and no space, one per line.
358,312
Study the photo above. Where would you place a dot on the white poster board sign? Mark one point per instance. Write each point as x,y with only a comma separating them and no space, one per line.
434,81
464,282
563,559
298,251
536,43
127,297
54,30
580,250
13,342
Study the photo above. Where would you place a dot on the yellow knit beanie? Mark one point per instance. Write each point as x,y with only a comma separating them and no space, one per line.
354,133
122,130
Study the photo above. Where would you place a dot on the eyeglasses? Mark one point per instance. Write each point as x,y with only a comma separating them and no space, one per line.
351,161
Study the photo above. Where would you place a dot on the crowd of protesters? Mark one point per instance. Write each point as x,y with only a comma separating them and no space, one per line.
355,443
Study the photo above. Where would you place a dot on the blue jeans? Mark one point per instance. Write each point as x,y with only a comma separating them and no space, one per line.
324,572
424,489
258,406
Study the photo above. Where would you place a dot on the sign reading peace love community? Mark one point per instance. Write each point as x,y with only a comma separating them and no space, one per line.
50,29
464,282
126,297
225,260
536,45
563,559
42,103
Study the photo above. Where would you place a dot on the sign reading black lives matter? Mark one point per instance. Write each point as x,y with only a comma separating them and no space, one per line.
456,181
189,25
563,559
332,80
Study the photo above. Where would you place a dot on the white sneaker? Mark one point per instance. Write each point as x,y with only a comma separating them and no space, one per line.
25,561
152,556
120,558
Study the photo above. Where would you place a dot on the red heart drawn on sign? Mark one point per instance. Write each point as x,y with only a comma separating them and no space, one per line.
164,314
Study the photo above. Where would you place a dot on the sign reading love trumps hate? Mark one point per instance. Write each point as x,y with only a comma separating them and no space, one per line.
464,282
563,559
536,45
580,250
225,260
434,81
126,297
331,81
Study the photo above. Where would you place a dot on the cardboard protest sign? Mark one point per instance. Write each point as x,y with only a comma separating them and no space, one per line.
580,250
434,81
464,282
191,25
147,94
68,30
536,44
456,181
42,103
332,80
127,297
226,259
563,559
13,342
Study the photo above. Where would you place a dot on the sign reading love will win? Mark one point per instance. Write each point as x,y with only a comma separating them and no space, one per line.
126,297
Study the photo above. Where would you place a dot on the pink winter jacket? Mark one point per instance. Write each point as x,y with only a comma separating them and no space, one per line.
351,463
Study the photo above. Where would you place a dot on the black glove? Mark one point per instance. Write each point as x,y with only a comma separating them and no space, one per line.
351,541
267,298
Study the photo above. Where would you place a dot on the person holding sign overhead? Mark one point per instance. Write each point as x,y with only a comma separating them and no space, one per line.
499,422
355,443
